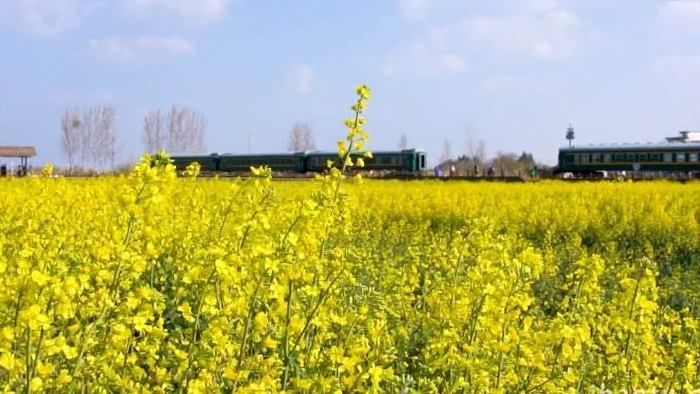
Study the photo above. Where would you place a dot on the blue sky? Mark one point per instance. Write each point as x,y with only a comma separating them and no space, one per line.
513,73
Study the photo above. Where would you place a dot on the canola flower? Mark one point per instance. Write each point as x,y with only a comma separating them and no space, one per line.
154,283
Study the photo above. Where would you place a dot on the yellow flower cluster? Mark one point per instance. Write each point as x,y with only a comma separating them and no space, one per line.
156,284
153,283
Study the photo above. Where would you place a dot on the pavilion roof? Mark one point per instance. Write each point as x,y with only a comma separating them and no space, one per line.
17,151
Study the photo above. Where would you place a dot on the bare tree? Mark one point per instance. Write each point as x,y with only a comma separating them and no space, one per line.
107,134
186,130
446,151
89,137
301,138
154,131
98,137
403,141
476,151
71,125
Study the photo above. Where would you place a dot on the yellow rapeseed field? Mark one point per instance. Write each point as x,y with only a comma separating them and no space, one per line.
153,283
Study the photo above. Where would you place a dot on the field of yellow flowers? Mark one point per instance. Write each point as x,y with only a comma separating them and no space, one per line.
154,283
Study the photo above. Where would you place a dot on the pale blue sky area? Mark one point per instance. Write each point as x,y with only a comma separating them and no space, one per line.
512,73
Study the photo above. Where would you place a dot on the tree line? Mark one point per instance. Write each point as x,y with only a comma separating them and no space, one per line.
89,140
89,135
475,163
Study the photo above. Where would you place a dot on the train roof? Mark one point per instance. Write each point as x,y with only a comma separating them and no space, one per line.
632,147
301,153
240,155
375,152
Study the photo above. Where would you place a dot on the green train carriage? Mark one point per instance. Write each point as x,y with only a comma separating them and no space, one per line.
278,162
665,158
404,161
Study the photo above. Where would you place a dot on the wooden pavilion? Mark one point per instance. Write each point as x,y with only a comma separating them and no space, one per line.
23,153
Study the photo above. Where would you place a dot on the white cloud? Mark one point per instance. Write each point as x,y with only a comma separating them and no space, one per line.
681,13
542,30
510,84
541,35
141,50
676,36
414,9
678,65
543,5
46,18
301,79
49,18
196,11
421,59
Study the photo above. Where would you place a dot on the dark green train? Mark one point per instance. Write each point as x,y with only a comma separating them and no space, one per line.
403,161
672,157
407,160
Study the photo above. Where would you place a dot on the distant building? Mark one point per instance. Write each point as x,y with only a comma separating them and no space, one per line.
23,153
685,136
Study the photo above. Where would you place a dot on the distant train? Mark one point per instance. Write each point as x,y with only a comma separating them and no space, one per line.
403,161
672,157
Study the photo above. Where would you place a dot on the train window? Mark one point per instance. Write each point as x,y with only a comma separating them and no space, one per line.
655,157
693,157
607,157
680,157
422,161
630,157
668,157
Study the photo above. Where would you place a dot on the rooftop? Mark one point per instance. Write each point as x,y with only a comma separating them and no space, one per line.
17,151
685,140
671,146
685,136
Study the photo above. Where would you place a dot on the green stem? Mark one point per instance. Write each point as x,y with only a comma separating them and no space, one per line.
249,318
27,362
286,355
190,348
